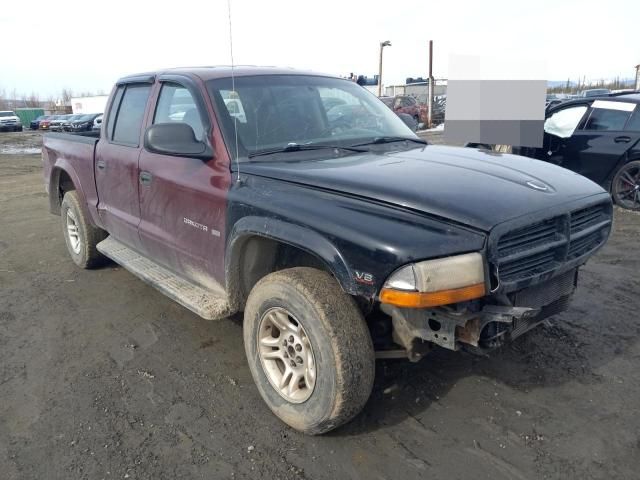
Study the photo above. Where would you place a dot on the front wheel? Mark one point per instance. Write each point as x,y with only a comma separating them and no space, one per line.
309,349
625,188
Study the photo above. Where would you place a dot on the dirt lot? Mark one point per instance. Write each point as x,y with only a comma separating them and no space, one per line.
102,377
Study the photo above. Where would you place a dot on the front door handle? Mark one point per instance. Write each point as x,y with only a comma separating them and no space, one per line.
622,139
145,178
100,164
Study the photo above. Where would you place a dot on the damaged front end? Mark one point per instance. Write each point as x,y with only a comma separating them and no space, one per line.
477,326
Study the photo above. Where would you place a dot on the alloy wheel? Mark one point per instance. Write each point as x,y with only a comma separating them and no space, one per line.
73,232
286,355
627,187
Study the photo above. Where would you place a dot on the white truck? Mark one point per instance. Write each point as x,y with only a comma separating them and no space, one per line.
10,121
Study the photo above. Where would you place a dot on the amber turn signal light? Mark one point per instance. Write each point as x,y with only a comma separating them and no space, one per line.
407,299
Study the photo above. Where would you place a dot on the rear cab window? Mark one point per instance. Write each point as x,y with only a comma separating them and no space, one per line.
127,113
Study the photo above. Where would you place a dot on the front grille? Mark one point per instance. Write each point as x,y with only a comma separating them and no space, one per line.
581,219
538,233
530,265
545,245
583,245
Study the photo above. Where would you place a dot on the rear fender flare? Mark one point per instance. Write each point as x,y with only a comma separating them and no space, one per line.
54,186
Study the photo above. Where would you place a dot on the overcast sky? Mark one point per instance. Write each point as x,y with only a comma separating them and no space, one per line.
86,45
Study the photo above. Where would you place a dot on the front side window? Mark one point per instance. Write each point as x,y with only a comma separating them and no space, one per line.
564,122
176,104
130,114
274,111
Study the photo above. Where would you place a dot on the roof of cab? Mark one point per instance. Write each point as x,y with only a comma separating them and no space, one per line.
220,71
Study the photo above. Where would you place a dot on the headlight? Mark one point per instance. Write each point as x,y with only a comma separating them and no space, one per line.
436,282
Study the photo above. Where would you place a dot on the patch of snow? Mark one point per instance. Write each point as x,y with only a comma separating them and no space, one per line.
16,150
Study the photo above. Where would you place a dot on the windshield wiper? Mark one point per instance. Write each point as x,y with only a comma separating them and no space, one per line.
296,147
382,140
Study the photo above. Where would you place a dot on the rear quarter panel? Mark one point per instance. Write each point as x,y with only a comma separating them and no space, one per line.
74,155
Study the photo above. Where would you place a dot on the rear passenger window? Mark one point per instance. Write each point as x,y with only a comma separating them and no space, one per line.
176,104
130,115
608,115
113,111
602,119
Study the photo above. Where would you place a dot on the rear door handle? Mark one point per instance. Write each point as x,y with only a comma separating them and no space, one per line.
622,139
145,178
100,164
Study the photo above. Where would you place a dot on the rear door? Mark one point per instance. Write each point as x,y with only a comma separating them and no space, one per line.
183,200
600,143
116,165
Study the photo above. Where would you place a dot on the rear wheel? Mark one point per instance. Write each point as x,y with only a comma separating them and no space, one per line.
308,348
625,188
80,236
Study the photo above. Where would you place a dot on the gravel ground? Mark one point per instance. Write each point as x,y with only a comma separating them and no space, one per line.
103,377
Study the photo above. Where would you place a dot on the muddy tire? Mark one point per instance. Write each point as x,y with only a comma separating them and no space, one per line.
625,187
301,323
80,236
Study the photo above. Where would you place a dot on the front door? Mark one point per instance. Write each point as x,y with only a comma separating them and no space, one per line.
116,168
183,200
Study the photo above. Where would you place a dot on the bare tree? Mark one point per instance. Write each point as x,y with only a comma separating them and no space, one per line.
34,100
65,96
14,98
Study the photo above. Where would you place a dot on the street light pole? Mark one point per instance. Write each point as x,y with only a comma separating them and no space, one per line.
386,43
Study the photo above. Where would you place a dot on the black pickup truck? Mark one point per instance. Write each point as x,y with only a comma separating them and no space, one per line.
302,200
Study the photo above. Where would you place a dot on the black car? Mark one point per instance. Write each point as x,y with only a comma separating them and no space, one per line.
84,123
35,123
598,138
66,124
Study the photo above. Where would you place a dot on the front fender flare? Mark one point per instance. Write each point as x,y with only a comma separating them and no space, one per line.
298,236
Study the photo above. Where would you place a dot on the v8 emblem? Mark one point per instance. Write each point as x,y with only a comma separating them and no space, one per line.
364,278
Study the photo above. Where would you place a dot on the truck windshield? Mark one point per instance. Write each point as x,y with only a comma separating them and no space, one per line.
272,112
7,114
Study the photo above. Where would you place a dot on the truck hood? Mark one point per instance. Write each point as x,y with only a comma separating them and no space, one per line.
474,187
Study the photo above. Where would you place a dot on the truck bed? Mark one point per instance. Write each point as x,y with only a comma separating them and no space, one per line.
73,153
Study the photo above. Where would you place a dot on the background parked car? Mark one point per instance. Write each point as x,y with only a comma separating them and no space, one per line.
10,121
84,123
97,123
594,92
56,125
35,123
45,124
66,125
404,104
598,138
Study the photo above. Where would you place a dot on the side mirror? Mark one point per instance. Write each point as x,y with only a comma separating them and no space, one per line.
177,139
409,121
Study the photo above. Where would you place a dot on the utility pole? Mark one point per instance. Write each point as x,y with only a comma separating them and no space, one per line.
430,86
386,43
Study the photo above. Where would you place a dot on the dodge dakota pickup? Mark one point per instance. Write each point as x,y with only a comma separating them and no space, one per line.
303,201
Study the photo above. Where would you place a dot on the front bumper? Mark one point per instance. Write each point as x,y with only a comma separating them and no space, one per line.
482,325
10,126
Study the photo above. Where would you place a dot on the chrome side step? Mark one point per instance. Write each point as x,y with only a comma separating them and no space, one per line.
210,305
